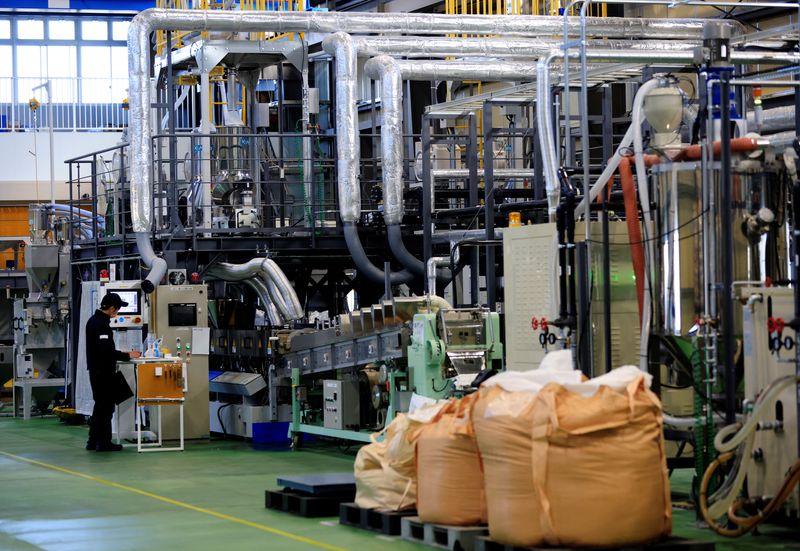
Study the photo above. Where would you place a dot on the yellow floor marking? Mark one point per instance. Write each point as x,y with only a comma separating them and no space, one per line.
157,497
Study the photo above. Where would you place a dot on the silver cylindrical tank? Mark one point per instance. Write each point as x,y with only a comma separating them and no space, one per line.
679,266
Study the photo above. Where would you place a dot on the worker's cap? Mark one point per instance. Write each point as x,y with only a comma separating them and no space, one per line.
112,300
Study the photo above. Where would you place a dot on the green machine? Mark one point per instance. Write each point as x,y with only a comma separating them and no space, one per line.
450,348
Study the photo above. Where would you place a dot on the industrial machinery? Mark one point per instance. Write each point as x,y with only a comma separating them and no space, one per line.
294,197
41,318
381,356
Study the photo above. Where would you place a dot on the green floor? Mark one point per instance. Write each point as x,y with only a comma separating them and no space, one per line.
209,497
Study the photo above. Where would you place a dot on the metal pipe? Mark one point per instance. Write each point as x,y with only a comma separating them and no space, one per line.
148,21
545,130
282,293
774,120
529,48
726,231
156,264
499,173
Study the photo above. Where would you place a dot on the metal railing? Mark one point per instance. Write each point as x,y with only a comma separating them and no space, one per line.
222,185
79,104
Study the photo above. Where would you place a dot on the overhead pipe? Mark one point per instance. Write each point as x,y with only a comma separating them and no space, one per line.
348,150
530,48
148,21
391,74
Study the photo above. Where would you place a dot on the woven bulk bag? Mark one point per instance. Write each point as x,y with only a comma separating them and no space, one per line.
502,418
450,486
599,467
385,469
502,422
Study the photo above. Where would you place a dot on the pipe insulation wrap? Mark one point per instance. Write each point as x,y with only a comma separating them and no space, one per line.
348,146
496,71
776,119
329,22
530,48
387,70
156,264
545,131
260,289
141,27
280,290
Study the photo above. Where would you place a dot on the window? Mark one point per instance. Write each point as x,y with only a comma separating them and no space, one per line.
61,30
5,29
119,30
62,69
94,30
6,68
30,29
96,67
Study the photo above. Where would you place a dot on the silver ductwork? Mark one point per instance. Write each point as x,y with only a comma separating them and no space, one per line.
545,131
280,291
142,26
387,70
261,291
348,143
773,120
531,48
495,71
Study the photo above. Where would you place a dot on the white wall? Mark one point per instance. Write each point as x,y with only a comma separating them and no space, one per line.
18,167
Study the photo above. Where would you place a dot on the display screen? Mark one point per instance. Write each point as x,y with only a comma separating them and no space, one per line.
132,297
182,315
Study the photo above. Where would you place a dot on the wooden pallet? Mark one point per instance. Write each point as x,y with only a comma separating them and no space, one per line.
484,543
440,536
374,520
305,504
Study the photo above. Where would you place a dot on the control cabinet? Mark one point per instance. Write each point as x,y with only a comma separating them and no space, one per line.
178,311
341,404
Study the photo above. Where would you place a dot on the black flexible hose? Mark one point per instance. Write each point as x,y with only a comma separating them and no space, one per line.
411,262
363,264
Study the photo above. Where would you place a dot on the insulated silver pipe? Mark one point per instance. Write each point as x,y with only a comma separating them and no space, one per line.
280,290
348,143
497,173
773,120
493,71
148,21
529,48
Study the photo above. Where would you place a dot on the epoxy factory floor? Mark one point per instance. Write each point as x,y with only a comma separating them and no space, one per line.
54,495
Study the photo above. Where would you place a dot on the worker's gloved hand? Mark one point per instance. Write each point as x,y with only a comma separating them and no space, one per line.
134,354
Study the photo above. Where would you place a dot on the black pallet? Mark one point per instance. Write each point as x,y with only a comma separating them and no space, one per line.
375,520
303,504
669,544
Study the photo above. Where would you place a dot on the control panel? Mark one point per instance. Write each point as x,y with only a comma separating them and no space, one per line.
341,405
133,315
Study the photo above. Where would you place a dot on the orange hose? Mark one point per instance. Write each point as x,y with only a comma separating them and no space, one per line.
738,145
632,218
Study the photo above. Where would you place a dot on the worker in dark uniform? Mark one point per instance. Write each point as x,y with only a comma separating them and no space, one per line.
101,360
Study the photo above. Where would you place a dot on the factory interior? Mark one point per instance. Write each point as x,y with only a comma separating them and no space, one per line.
473,275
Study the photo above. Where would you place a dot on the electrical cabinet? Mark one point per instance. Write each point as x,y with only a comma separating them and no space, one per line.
341,404
178,311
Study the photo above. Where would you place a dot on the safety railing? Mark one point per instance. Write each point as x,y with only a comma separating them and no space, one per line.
79,104
224,184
